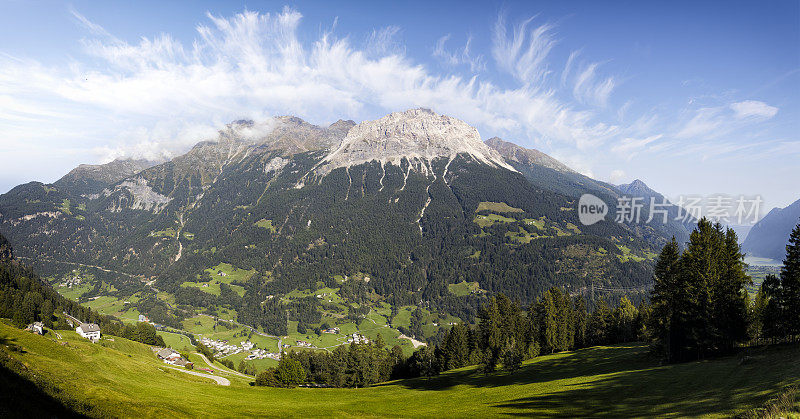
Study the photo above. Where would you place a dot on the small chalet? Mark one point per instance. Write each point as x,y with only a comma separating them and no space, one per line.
36,327
171,356
89,331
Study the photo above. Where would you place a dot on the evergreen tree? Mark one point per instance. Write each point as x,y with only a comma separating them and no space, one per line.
790,285
667,298
580,321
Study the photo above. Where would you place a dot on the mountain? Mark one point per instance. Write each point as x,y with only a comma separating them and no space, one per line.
91,178
415,135
525,156
638,188
548,173
408,205
768,237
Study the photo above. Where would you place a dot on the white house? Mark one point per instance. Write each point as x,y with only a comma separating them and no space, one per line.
89,331
36,327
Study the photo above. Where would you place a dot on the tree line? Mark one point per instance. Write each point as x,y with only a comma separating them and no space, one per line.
700,304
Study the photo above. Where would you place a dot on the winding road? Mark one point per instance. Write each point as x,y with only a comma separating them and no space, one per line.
222,370
219,380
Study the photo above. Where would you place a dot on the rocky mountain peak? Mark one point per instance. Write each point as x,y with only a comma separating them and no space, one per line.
98,175
638,188
513,152
413,134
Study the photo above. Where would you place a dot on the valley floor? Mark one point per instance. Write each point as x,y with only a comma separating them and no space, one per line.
120,378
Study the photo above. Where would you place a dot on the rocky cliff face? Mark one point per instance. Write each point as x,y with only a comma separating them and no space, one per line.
88,178
527,156
417,135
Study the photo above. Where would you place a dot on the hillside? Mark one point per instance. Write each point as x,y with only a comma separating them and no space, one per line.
548,173
618,380
769,236
390,215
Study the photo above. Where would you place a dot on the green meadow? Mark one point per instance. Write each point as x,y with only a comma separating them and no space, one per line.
123,378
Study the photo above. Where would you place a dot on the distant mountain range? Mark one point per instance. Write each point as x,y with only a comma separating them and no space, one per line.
414,201
769,236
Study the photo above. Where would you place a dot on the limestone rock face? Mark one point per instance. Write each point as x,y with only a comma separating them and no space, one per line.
416,134
515,153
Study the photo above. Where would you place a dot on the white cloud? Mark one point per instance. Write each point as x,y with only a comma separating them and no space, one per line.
462,57
588,89
630,147
716,121
523,54
385,41
568,66
753,108
144,98
616,176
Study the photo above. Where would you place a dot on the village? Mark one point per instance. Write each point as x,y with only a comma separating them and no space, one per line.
223,349
73,281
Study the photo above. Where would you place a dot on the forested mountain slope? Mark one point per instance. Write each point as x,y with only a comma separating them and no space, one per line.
410,204
769,236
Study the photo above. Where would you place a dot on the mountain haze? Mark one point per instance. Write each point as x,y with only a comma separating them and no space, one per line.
770,235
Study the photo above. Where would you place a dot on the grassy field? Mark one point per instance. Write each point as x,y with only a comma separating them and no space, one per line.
222,273
267,224
463,288
496,207
123,378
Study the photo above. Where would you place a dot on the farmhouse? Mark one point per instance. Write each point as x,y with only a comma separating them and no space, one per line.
89,331
171,356
36,327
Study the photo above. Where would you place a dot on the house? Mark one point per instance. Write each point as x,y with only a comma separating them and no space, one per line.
143,318
171,356
89,331
166,353
332,330
36,327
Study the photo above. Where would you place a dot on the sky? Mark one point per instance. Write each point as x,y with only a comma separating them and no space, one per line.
694,98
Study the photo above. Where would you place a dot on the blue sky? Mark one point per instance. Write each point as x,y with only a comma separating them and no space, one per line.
694,98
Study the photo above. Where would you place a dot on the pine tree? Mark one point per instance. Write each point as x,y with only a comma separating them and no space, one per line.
790,285
730,295
580,320
548,322
665,297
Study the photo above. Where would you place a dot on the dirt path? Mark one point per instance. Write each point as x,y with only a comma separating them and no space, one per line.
220,369
178,237
219,380
414,342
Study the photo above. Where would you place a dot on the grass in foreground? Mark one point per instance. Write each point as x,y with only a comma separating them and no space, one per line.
124,379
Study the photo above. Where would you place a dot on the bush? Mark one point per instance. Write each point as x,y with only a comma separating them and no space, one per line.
267,378
289,373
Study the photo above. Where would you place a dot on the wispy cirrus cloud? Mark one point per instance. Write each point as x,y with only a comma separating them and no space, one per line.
463,56
753,108
523,52
630,147
716,121
130,97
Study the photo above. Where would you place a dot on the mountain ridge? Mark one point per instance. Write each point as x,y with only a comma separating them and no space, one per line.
770,235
